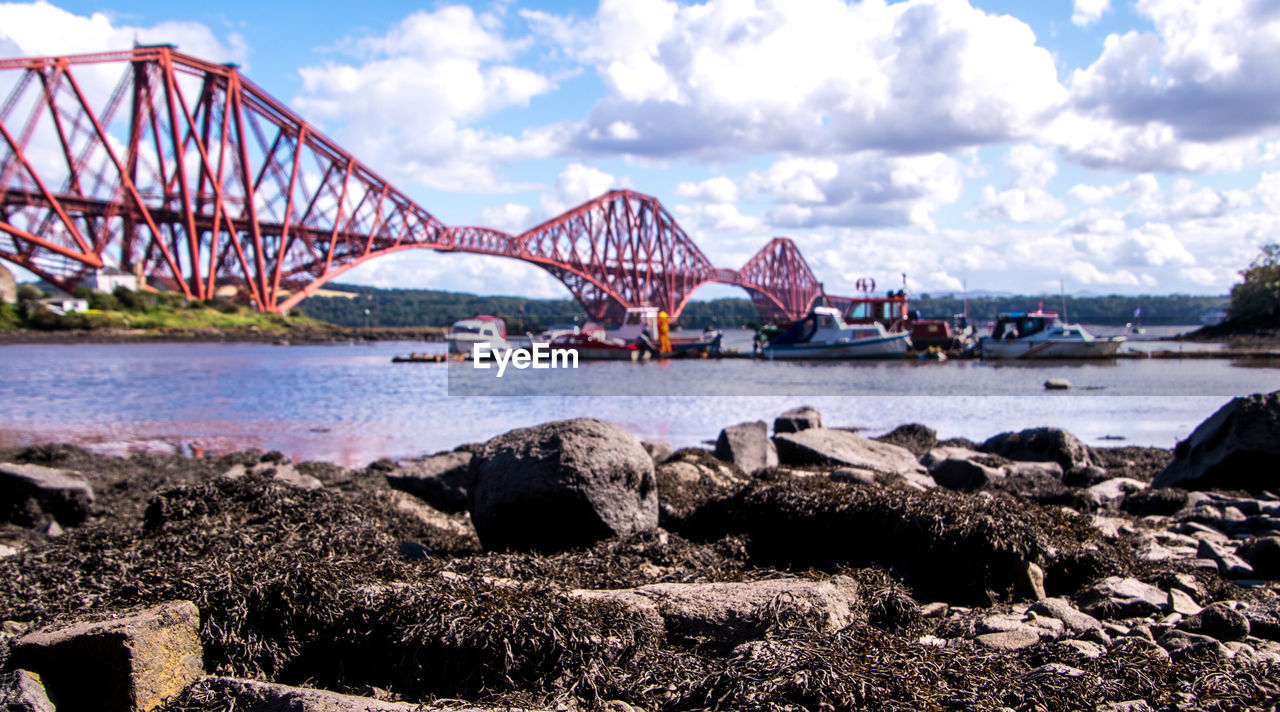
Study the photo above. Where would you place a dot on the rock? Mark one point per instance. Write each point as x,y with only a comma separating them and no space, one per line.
1264,618
964,475
1009,641
279,470
1218,620
1075,621
442,481
1040,445
1129,706
1034,469
917,438
1263,555
6,551
129,663
1182,603
1228,563
562,484
1045,627
797,419
840,447
1085,648
853,475
659,450
22,691
254,696
748,446
1180,643
937,609
31,495
1116,597
1035,581
1056,670
726,609
1238,447
1112,491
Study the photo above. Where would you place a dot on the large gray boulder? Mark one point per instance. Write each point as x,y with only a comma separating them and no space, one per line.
819,446
442,481
562,484
748,446
805,417
31,495
1237,447
1040,445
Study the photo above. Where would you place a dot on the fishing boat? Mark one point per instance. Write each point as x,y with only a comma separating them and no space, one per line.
593,344
640,325
1040,335
824,334
482,328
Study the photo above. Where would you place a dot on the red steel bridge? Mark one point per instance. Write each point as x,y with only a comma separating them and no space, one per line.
182,170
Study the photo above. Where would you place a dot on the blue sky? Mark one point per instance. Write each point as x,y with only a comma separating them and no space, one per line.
1119,147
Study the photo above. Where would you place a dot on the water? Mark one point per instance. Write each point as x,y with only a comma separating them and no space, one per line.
349,404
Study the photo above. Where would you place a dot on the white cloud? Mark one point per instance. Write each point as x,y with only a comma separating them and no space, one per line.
1020,205
1192,95
723,217
1086,273
405,103
38,29
1087,12
865,189
1091,194
712,190
577,184
508,217
1026,200
728,77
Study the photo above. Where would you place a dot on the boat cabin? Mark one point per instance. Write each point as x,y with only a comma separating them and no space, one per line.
889,310
638,321
482,326
1016,325
823,325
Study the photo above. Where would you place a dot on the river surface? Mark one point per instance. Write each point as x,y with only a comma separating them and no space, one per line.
350,404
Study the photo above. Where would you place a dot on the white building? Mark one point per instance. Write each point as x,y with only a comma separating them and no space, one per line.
107,279
65,305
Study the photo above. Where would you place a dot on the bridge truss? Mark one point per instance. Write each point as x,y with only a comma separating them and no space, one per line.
185,172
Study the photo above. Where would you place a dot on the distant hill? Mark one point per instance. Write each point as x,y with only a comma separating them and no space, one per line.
426,307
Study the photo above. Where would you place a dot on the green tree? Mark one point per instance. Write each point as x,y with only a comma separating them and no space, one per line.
1255,302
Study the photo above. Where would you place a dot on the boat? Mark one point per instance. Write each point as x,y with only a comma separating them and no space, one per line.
640,326
482,328
891,310
592,343
824,334
1039,334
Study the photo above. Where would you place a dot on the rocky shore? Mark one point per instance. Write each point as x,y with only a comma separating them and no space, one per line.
572,566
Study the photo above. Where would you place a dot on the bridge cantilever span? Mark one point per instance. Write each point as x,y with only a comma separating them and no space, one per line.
191,175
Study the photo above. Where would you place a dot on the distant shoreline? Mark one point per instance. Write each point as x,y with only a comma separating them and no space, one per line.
304,335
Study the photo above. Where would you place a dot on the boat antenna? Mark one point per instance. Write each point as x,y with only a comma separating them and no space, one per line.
1062,291
965,286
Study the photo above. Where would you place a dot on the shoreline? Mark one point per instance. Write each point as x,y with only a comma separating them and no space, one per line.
336,334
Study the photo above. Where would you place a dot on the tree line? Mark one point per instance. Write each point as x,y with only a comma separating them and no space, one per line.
424,307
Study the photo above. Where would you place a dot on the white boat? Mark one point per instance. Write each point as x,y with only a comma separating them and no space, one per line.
1039,334
823,334
465,334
